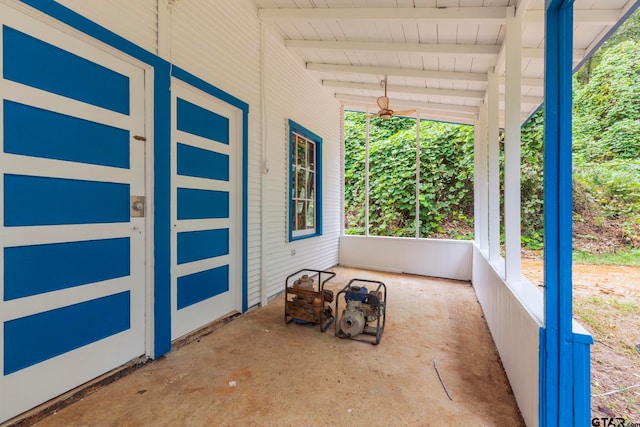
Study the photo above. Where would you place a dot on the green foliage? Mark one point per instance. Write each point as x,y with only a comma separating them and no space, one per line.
446,172
629,256
392,185
614,186
607,108
629,31
446,178
380,130
532,181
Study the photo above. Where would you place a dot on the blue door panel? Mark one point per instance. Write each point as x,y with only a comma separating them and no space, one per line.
193,161
36,269
202,204
32,131
33,200
199,245
201,286
36,63
36,338
201,122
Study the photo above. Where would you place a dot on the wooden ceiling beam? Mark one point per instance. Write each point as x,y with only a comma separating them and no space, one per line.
580,16
401,72
402,104
460,15
415,48
471,94
487,15
441,116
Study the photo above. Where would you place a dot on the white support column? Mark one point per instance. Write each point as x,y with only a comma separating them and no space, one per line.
494,165
417,174
482,181
513,65
342,163
477,214
366,174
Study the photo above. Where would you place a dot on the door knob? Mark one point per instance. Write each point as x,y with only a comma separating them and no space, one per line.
137,206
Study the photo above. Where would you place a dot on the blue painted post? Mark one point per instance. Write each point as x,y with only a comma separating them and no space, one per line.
162,220
557,371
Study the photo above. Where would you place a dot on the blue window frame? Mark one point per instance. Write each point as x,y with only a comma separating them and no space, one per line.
305,183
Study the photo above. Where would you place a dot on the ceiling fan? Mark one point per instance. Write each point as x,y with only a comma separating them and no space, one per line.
383,103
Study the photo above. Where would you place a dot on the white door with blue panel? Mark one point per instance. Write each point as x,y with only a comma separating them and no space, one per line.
73,292
206,214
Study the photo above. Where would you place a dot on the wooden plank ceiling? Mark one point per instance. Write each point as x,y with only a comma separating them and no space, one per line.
436,53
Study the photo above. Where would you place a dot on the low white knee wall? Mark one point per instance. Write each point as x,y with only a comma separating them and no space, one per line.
514,313
451,259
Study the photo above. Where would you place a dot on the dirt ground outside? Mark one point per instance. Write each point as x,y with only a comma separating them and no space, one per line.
607,304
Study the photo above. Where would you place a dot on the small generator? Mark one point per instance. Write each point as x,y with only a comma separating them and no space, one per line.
364,316
308,302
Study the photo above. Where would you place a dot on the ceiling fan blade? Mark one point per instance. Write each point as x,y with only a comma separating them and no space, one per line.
383,102
372,116
403,112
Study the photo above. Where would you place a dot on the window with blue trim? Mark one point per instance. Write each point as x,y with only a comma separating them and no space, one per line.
305,172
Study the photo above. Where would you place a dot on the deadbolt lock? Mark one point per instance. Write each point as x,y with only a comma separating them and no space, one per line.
137,206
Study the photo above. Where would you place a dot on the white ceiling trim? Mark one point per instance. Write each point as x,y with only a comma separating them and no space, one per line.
580,16
487,15
401,72
459,15
424,49
528,83
470,94
430,106
443,116
419,48
473,95
528,100
403,104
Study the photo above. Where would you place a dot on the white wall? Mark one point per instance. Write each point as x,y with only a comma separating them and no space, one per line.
514,315
449,259
134,20
220,42
292,94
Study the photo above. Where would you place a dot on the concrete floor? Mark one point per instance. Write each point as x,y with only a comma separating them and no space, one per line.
293,375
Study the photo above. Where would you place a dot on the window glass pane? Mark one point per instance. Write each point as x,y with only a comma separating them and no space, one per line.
303,198
310,215
294,218
302,151
294,183
301,215
311,155
302,184
311,184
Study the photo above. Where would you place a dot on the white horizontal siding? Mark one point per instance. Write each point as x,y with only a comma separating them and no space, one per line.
292,94
136,21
